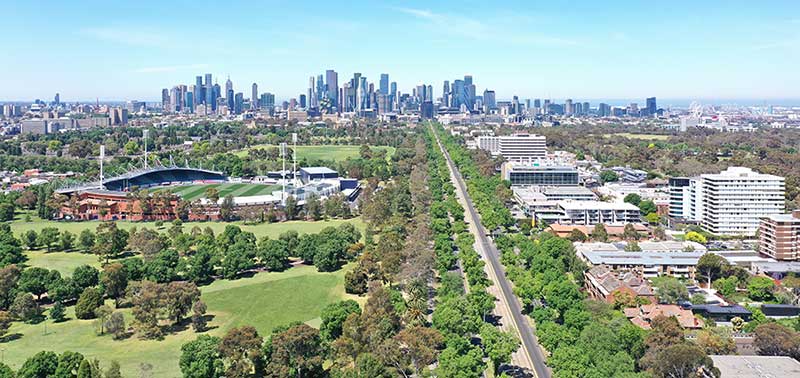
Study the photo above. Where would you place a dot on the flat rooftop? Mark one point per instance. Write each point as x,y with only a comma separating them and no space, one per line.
641,257
317,170
756,366
596,205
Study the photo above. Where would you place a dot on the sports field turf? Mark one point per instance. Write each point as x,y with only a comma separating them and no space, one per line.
328,152
265,301
193,192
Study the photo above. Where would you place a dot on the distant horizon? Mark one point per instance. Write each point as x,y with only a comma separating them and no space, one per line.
662,102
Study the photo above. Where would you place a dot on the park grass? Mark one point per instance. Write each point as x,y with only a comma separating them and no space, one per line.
325,152
266,300
273,230
193,192
64,262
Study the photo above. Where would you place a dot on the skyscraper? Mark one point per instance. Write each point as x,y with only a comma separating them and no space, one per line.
302,101
489,101
228,85
210,100
229,98
165,99
384,84
651,106
198,90
238,103
254,97
429,93
312,91
332,84
568,109
446,93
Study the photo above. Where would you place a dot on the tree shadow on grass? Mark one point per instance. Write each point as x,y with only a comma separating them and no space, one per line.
10,337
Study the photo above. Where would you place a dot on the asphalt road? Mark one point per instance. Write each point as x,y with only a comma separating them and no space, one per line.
529,342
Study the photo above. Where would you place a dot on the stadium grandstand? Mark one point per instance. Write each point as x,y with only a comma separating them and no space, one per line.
150,177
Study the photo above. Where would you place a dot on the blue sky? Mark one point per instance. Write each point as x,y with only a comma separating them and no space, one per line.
122,50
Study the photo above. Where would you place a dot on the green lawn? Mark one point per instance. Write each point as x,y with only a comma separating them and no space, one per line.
327,152
265,301
63,262
273,230
193,192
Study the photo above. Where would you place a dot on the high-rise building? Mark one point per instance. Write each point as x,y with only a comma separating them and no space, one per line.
332,85
302,101
426,110
651,106
57,99
489,100
568,109
384,84
216,94
165,99
603,110
189,107
730,202
254,97
238,103
429,93
586,107
228,85
229,99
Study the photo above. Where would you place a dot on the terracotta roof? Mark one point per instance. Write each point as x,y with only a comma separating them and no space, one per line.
646,313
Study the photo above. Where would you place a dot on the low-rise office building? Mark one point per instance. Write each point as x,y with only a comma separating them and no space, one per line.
756,366
589,213
539,173
676,259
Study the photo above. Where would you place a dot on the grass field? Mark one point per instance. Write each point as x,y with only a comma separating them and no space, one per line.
265,301
64,262
193,192
640,136
329,152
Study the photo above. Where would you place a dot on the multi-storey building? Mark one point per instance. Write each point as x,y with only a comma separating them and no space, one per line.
522,147
779,236
589,213
731,202
534,174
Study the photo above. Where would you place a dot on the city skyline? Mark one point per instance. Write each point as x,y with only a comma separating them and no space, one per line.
589,51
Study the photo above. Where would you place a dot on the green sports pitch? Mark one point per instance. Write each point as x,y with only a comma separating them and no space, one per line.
193,192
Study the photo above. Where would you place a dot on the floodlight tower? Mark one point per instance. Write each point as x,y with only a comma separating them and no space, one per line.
294,159
283,173
145,148
102,157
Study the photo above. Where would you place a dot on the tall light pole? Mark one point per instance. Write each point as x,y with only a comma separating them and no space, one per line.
283,173
294,158
145,148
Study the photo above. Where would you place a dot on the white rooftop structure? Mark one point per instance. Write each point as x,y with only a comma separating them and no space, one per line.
756,366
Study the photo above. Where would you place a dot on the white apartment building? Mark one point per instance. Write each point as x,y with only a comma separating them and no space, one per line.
730,202
489,143
523,147
589,213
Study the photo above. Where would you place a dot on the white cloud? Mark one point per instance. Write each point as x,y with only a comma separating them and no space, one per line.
508,29
159,69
